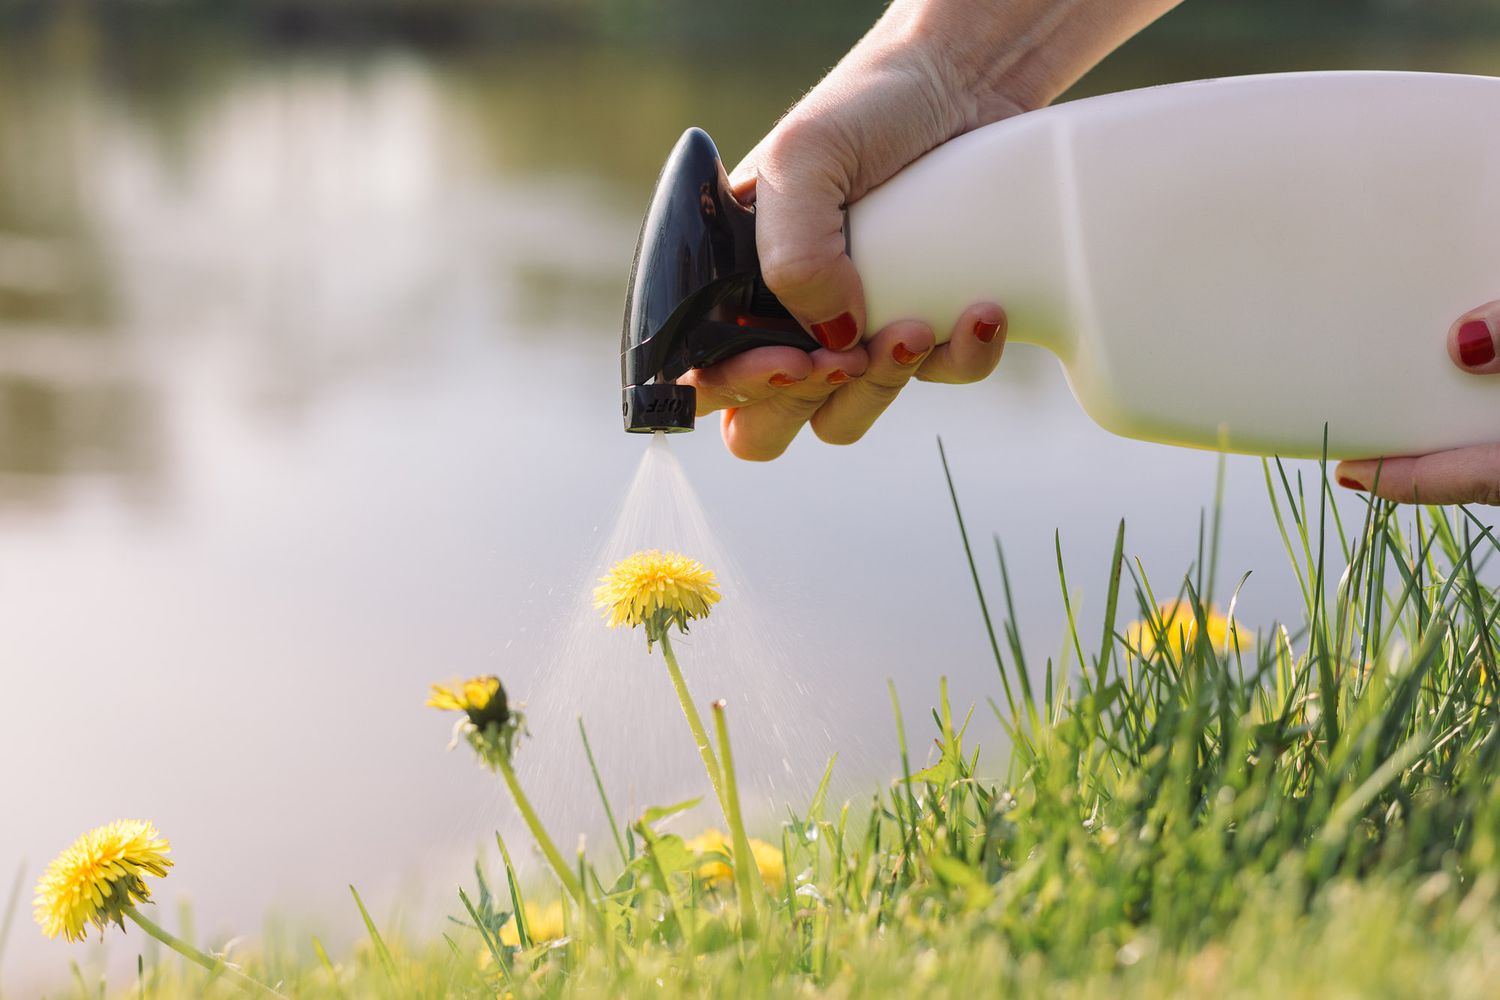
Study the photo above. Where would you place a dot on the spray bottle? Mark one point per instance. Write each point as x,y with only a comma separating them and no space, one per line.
1233,264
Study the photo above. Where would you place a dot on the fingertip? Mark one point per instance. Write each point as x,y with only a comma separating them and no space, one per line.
913,334
985,320
838,367
978,339
1355,475
749,447
834,432
1471,340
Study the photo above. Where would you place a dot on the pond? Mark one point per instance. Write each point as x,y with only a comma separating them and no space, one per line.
309,397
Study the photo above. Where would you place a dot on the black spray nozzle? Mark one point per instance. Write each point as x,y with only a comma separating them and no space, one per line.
696,295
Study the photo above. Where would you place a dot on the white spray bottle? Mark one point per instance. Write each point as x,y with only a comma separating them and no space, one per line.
1227,264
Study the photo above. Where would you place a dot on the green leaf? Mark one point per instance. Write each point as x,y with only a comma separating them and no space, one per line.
656,814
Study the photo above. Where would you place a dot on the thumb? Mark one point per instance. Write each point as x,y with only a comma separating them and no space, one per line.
800,192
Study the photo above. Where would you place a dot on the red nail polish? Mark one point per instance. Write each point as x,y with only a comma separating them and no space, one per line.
905,355
781,380
838,377
837,334
986,331
1351,484
1475,344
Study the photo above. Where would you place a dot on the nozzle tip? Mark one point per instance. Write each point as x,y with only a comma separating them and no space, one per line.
659,406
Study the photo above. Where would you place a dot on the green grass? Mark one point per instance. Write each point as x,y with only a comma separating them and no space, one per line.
1312,813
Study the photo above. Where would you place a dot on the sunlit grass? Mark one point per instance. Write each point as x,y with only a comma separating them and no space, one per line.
1187,808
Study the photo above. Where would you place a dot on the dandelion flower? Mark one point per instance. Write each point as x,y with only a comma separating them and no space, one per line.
99,877
1180,628
489,723
491,726
656,590
715,871
99,880
482,699
543,923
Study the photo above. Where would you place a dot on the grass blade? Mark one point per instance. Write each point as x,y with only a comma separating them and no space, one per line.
387,962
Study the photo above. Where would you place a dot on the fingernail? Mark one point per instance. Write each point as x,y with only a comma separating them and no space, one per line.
986,331
1475,344
905,355
838,377
781,380
837,334
1351,484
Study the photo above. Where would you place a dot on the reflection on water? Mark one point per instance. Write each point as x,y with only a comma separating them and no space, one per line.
308,396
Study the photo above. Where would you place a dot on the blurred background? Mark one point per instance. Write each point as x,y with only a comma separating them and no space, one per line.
308,396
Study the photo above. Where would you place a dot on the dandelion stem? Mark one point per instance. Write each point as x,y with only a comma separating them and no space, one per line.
216,966
539,833
746,872
695,723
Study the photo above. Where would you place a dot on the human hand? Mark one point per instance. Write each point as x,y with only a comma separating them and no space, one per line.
927,72
1463,475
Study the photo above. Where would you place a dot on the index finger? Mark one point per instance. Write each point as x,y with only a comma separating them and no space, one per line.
1464,475
747,377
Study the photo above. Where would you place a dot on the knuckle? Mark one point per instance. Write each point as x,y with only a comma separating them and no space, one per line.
791,409
1487,481
804,400
796,142
783,148
881,392
838,434
751,449
944,374
787,269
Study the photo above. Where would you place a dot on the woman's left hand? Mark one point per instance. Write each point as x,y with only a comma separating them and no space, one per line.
1464,475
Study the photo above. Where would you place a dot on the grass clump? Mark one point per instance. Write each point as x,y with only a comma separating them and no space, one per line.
1188,809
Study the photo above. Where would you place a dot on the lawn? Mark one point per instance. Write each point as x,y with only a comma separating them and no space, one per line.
1188,809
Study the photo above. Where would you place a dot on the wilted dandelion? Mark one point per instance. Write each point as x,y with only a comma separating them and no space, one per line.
491,727
99,880
482,699
489,724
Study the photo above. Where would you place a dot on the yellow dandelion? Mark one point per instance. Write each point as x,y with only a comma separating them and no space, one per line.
657,590
482,699
715,871
489,724
99,877
1180,628
543,923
